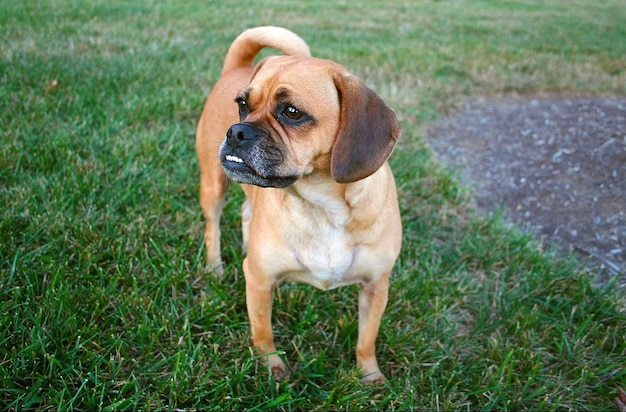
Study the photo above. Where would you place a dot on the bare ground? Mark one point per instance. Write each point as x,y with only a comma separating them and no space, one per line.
556,164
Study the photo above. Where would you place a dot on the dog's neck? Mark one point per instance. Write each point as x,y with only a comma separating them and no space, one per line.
339,203
320,199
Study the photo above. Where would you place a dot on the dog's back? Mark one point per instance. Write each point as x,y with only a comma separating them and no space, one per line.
220,112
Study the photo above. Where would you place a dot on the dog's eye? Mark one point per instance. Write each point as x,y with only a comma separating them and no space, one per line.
292,113
243,108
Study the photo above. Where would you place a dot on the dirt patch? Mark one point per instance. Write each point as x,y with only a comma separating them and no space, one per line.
556,164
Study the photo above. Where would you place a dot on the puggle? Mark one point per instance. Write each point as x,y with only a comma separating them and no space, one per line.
309,142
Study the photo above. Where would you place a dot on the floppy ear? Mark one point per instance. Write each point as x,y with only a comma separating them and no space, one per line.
368,131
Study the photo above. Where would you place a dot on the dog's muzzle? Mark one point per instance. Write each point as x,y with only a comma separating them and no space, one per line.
249,156
241,133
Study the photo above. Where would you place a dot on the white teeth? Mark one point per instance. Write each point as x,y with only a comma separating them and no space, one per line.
235,159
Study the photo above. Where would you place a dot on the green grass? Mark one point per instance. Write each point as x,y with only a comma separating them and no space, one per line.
104,303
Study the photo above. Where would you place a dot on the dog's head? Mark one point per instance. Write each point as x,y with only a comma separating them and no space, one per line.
301,116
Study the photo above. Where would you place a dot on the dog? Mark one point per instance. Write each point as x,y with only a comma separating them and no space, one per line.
309,144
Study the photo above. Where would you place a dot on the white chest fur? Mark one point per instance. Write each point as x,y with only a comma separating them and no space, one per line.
326,235
323,250
326,258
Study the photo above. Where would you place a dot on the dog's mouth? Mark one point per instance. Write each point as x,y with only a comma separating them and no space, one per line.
234,159
239,171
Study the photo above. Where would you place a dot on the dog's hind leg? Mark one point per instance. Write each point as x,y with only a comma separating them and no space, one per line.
213,187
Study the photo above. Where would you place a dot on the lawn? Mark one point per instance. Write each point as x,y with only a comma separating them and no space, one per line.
104,299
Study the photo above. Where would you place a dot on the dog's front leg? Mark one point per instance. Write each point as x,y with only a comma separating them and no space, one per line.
372,303
246,217
259,297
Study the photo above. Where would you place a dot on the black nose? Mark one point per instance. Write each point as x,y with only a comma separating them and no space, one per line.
240,133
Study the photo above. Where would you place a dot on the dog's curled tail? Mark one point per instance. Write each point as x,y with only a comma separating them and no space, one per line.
248,44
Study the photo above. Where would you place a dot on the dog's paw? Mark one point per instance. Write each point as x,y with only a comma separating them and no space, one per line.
215,266
370,371
278,373
277,368
374,378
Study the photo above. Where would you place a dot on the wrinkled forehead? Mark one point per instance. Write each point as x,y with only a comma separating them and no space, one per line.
292,78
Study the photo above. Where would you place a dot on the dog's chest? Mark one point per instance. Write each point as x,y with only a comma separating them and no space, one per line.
326,258
325,252
316,237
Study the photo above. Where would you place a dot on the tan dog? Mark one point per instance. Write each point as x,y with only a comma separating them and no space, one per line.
309,142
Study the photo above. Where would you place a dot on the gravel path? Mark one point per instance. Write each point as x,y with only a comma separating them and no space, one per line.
556,163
